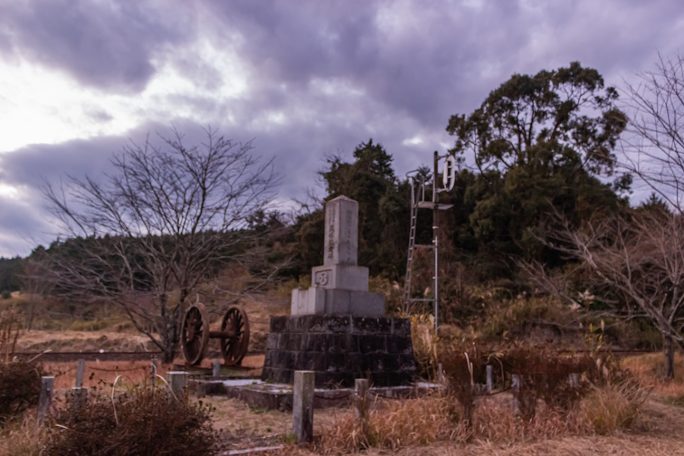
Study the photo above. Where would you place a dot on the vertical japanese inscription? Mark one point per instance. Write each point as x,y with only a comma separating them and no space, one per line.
348,236
331,233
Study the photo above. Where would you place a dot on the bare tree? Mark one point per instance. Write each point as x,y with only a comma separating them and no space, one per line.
163,221
654,149
36,284
641,258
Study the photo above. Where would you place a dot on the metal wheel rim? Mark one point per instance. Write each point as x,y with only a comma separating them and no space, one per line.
235,349
194,334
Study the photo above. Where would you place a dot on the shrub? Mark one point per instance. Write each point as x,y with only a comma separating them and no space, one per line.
144,421
19,387
546,375
513,318
6,294
613,406
462,370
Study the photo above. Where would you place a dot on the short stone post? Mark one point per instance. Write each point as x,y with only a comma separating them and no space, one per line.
79,394
153,371
178,381
302,406
80,371
47,385
516,386
216,369
490,378
574,380
524,398
361,404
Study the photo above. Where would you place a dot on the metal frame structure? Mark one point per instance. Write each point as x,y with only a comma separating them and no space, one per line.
421,198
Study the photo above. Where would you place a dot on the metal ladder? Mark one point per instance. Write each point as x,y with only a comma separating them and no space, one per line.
417,196
423,199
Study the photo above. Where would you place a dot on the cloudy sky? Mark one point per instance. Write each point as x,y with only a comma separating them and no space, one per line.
303,79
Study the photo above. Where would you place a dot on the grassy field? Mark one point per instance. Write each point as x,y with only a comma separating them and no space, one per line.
407,427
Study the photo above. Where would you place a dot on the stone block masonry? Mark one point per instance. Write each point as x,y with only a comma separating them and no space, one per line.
340,349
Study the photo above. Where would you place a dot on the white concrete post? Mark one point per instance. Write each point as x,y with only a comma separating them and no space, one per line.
216,368
302,406
47,385
490,378
178,381
80,371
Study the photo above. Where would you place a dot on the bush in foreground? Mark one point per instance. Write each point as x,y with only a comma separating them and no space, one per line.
144,421
19,388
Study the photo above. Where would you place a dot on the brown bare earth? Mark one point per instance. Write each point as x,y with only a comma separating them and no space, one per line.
65,340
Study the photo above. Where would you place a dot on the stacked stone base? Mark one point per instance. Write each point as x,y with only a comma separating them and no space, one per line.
340,349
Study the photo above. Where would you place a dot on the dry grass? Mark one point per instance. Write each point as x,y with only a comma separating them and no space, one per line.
393,424
244,427
649,370
9,333
21,437
425,421
138,421
37,341
613,407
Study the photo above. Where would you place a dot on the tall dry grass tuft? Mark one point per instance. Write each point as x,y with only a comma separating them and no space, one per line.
613,406
424,343
497,421
22,437
392,425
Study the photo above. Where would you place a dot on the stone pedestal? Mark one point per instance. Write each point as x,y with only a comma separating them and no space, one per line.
340,349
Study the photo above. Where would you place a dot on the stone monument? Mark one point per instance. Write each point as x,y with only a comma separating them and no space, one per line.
337,328
340,286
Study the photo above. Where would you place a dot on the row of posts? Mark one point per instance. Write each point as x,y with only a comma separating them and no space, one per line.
177,381
302,400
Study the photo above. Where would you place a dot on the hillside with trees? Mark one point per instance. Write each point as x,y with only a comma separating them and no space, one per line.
538,172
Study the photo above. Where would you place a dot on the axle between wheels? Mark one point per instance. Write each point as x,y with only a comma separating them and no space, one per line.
195,335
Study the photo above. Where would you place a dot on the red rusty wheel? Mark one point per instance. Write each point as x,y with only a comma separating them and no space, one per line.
194,334
235,348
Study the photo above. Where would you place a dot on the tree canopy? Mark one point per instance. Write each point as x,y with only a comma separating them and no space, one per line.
538,145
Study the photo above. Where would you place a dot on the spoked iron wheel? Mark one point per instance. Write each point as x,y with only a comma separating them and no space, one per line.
194,334
235,348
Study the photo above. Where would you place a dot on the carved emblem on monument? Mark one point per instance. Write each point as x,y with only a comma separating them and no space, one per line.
321,278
